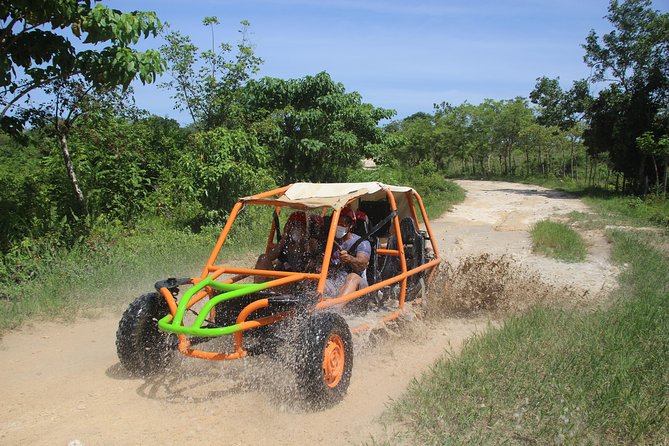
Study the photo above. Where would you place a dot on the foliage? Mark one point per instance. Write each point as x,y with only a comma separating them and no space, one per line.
559,108
314,129
658,150
114,263
417,141
123,161
69,100
23,189
485,139
208,83
633,59
34,57
221,166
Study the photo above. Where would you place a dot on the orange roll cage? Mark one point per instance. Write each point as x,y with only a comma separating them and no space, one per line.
284,277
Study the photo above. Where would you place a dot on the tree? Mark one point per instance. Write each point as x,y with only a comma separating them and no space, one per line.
633,59
633,50
127,160
559,108
418,140
451,134
32,56
207,84
314,128
513,115
658,150
534,138
549,96
68,101
221,166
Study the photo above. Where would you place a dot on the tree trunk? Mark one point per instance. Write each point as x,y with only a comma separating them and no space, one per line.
624,183
564,164
586,170
542,162
78,195
666,174
550,161
642,178
572,160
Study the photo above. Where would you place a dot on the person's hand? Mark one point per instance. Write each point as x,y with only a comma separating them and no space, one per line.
344,256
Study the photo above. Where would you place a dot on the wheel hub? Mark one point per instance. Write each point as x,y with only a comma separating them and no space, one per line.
334,357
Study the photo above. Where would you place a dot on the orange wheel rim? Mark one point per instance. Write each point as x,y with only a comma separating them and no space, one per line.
334,358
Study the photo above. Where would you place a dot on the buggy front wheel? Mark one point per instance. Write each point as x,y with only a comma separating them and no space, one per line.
324,359
141,347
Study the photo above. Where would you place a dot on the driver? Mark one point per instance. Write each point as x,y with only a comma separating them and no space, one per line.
292,252
347,271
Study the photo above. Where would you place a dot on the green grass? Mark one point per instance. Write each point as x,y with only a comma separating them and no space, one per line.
558,240
558,376
629,210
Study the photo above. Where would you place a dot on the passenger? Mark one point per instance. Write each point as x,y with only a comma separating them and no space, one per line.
347,272
316,242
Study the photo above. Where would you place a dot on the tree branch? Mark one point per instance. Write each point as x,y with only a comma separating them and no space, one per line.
30,88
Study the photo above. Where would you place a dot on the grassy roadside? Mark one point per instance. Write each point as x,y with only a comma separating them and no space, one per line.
438,203
556,376
558,240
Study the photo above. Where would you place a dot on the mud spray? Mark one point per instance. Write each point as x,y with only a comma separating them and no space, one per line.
482,286
496,285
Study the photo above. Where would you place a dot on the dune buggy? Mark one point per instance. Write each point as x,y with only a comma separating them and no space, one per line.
261,308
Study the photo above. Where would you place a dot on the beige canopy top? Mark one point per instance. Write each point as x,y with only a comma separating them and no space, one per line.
336,195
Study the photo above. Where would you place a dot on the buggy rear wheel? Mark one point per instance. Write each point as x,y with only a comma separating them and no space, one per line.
324,359
141,347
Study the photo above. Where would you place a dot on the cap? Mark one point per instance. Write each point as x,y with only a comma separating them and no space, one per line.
347,212
298,217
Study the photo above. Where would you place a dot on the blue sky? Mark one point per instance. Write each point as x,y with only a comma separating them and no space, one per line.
402,55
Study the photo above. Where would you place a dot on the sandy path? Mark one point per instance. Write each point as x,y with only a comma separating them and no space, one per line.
495,218
63,382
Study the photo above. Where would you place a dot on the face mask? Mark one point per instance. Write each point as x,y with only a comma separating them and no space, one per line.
341,232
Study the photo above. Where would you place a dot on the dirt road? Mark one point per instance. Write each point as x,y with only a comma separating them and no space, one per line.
62,383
